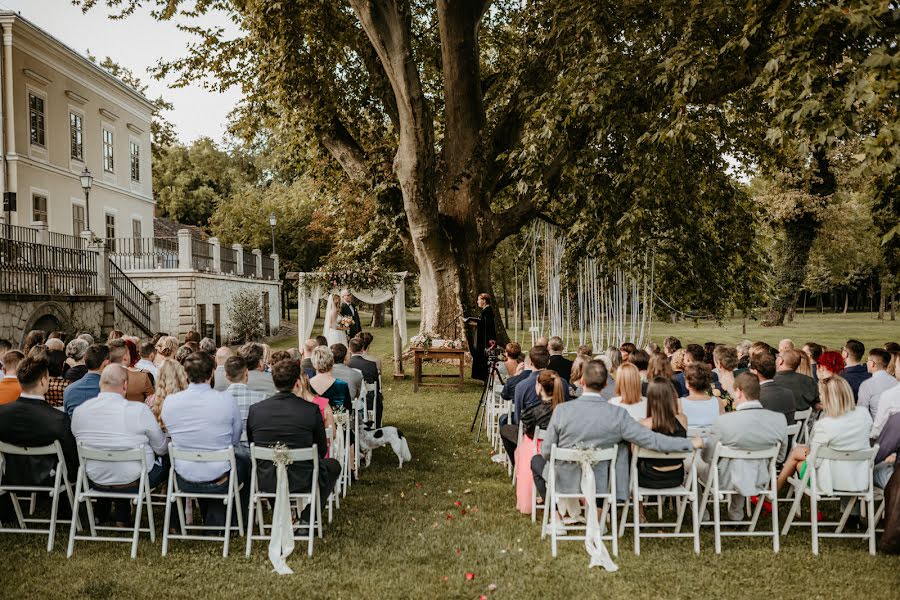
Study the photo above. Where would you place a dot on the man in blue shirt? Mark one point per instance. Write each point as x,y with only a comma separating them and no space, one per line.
854,373
95,359
526,394
201,418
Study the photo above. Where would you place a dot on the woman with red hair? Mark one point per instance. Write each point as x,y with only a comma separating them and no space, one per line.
830,363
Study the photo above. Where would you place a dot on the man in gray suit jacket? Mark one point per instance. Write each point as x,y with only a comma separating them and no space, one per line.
590,421
749,427
258,380
341,371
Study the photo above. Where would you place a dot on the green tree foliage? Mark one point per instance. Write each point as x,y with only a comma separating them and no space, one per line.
245,313
190,181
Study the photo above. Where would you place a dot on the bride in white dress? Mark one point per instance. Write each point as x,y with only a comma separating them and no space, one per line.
332,333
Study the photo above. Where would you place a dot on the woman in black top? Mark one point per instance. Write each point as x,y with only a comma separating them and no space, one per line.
662,417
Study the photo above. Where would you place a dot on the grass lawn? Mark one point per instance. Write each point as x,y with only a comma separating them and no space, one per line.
401,534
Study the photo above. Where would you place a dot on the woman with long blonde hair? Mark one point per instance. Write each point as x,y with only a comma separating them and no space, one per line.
628,391
172,379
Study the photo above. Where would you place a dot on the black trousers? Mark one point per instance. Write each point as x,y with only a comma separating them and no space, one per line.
509,435
537,470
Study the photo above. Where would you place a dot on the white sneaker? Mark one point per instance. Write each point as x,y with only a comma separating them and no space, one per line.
560,529
499,458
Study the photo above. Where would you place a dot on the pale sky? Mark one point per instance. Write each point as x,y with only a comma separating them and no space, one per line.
136,42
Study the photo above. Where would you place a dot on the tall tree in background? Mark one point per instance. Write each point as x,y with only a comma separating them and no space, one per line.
475,117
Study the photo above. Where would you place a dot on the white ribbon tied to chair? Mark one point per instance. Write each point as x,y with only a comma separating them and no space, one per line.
593,542
281,544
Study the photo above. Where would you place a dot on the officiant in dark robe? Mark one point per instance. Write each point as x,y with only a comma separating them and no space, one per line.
485,333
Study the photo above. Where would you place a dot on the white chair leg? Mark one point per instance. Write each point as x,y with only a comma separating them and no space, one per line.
813,519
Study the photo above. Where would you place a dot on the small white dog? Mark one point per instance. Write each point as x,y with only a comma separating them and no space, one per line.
370,438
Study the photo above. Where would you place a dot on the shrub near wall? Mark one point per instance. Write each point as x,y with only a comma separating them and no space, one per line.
245,313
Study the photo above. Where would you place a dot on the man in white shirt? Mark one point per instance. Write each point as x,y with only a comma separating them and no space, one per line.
871,389
111,422
200,418
148,355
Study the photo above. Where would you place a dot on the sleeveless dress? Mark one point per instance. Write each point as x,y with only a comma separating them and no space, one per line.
338,395
650,477
700,413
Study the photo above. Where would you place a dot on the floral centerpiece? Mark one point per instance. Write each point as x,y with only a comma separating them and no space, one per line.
428,340
352,277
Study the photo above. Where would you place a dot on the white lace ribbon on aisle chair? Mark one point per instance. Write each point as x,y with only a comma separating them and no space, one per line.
282,543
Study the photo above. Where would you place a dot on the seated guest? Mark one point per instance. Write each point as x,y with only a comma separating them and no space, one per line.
804,388
854,373
56,344
699,406
888,405
220,380
367,340
75,351
183,352
56,361
577,368
30,421
693,354
514,358
627,349
612,358
814,351
200,418
306,362
352,377
146,362
743,356
725,360
671,345
325,384
236,375
258,380
139,385
321,340
829,364
10,390
192,336
166,347
659,366
772,396
542,341
591,422
172,379
34,338
523,372
277,356
110,422
369,370
628,391
266,357
662,417
749,427
5,346
805,367
641,360
549,388
526,394
288,419
306,392
96,358
842,426
784,345
558,362
208,345
888,447
871,390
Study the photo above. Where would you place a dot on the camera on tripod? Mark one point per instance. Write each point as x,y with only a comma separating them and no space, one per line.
492,353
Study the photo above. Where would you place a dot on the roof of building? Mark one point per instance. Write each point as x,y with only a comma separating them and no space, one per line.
168,228
6,14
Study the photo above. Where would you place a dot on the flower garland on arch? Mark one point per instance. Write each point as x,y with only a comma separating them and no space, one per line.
352,277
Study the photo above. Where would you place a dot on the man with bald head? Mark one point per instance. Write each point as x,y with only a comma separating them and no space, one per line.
111,422
56,344
806,392
785,345
306,361
220,381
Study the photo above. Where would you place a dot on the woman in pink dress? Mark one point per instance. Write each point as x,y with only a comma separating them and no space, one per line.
549,387
310,396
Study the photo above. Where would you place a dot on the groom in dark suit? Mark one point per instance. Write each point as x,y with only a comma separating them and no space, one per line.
348,310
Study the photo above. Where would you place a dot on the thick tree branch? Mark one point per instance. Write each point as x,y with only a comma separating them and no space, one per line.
344,148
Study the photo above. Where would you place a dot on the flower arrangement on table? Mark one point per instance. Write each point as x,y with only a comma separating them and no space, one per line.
352,277
428,341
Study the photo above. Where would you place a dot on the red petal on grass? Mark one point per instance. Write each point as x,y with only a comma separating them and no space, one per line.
457,503
470,576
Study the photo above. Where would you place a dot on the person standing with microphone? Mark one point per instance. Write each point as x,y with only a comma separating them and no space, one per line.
485,335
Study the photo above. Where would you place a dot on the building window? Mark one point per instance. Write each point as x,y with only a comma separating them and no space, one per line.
108,163
36,111
39,208
76,135
135,161
137,234
78,224
111,230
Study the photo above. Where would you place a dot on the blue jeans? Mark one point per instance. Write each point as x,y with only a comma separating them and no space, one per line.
122,508
214,510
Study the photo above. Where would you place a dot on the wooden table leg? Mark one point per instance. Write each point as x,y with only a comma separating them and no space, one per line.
462,377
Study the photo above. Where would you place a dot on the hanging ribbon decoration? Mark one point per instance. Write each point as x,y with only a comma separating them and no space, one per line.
281,545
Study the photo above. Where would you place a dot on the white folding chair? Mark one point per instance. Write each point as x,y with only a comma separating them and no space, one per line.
60,485
539,436
494,409
338,450
311,497
683,494
808,486
551,513
85,493
336,494
719,495
175,496
801,417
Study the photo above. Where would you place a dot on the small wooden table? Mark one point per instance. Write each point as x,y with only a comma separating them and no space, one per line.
453,354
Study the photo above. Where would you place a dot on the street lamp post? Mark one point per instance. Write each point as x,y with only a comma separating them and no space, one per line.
272,222
86,180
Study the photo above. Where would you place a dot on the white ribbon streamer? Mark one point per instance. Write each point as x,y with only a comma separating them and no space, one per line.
593,542
281,545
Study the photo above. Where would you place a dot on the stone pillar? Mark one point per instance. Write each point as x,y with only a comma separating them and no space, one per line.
277,272
216,255
99,246
238,259
43,232
257,253
154,312
184,250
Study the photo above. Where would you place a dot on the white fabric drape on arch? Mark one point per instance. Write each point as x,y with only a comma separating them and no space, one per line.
308,303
